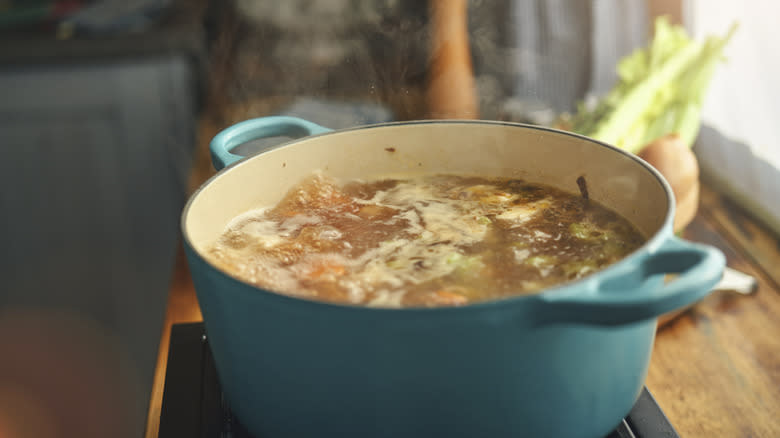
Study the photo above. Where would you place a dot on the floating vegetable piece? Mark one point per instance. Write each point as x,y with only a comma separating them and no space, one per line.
541,261
577,268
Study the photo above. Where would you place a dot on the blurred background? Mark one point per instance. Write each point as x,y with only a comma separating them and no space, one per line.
107,108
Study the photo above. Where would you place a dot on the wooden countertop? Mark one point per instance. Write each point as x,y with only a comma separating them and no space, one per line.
715,369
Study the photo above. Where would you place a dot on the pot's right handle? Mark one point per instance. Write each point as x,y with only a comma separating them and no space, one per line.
254,129
617,297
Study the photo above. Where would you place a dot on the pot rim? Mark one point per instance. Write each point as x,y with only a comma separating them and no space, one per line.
653,242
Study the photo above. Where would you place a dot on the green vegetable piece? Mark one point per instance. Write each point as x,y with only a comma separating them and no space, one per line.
466,268
580,230
464,262
455,258
541,261
578,268
613,250
395,264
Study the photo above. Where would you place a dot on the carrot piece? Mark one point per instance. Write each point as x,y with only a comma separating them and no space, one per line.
326,269
447,298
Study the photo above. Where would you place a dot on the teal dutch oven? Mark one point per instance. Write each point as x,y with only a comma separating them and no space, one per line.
567,362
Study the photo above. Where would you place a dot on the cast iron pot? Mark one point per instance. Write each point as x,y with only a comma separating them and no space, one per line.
567,362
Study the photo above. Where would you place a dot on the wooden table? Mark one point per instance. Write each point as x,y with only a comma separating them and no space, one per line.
715,369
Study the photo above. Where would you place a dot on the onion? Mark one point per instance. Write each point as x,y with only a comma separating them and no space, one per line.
677,163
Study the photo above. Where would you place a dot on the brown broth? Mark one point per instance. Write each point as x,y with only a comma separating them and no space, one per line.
441,240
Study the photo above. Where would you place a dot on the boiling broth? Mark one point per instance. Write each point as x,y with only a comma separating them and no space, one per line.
423,241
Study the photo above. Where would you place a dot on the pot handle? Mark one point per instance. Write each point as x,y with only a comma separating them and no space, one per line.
254,129
620,297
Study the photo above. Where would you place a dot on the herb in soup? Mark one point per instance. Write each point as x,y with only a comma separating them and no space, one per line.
427,241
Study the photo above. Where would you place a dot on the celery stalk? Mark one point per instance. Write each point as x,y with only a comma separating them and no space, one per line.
634,104
660,91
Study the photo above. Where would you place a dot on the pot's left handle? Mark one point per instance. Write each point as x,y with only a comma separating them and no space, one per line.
254,129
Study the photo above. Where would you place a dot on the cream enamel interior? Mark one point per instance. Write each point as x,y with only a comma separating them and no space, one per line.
477,148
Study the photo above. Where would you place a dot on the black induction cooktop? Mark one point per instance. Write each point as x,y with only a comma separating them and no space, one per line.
194,406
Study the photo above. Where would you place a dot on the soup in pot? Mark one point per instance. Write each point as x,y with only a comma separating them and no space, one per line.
422,241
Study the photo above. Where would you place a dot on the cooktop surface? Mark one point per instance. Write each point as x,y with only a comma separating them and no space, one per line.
194,406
